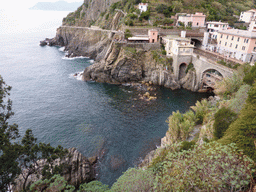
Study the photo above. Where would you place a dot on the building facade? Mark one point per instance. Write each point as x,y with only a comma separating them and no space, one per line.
143,7
175,45
153,35
213,27
238,44
248,16
192,20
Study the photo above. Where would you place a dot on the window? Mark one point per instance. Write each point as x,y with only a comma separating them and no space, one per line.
221,36
226,44
254,49
230,45
243,48
232,38
247,41
220,42
197,24
227,37
238,39
236,46
153,33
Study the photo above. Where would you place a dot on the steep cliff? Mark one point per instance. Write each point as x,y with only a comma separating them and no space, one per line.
88,13
83,42
124,64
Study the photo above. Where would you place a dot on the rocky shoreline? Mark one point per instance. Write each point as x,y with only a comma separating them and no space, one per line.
77,170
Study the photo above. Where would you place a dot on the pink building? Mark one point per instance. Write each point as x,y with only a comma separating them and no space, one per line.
153,35
192,20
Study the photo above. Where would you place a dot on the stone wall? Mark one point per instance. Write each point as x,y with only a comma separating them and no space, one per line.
144,46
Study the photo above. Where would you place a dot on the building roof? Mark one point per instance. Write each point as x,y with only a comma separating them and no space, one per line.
216,22
176,37
143,4
153,30
251,10
139,38
241,33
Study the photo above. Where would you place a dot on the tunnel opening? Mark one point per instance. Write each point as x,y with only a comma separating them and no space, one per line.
182,70
209,79
197,43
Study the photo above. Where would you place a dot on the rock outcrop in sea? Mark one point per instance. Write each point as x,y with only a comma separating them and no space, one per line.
78,170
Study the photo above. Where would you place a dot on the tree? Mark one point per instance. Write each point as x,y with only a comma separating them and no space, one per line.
15,156
8,151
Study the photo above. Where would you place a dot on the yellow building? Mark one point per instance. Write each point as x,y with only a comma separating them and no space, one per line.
238,44
175,45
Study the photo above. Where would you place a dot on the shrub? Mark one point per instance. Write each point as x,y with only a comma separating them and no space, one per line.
144,15
251,76
243,130
93,186
163,52
127,34
107,16
223,118
56,183
237,103
190,66
132,16
209,167
180,125
134,180
186,145
201,109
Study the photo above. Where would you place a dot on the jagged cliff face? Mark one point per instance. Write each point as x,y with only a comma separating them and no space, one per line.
124,65
93,8
89,12
83,42
78,170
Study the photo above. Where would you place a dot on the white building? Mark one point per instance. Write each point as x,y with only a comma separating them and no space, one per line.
248,16
214,26
143,7
175,45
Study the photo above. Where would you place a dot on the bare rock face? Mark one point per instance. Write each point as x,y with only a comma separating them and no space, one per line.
78,170
189,81
119,66
83,42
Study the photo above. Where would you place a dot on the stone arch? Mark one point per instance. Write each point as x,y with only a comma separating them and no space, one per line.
196,42
209,77
182,70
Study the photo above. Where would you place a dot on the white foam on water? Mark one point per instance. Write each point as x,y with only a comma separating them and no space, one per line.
77,75
73,58
91,61
62,49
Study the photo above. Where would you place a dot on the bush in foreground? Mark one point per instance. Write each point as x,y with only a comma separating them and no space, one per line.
209,167
134,180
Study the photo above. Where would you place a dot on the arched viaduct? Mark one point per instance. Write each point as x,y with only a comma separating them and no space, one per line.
201,65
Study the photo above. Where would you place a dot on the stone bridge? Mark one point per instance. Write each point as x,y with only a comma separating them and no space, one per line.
201,64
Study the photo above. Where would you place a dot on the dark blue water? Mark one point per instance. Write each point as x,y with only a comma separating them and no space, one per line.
95,118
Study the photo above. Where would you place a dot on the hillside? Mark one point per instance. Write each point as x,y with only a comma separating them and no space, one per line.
159,11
